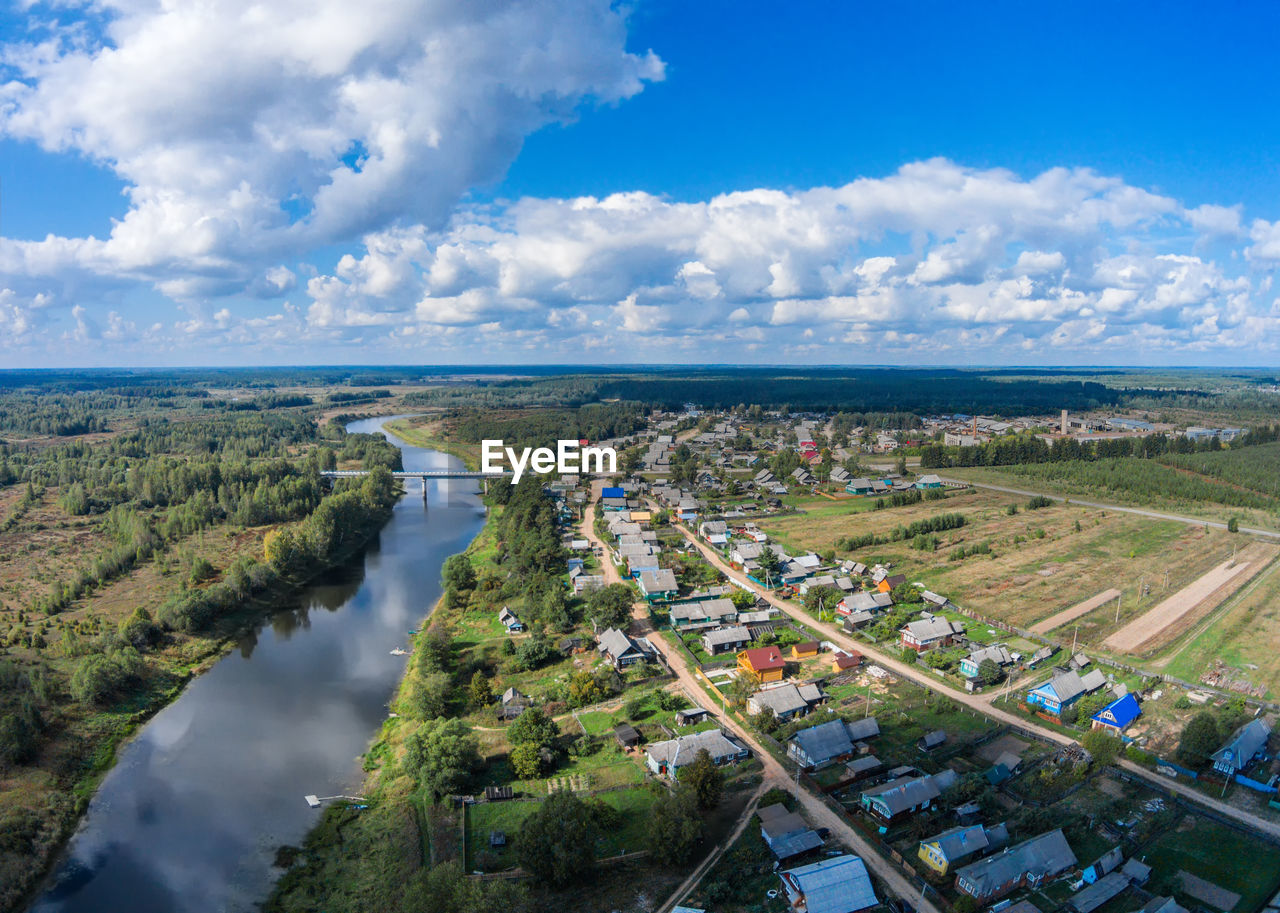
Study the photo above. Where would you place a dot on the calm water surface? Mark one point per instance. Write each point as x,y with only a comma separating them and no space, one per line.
191,815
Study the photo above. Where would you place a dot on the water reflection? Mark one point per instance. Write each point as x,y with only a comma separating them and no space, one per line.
190,817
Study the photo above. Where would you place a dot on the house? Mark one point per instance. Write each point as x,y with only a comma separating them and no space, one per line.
726,640
659,585
864,602
930,633
626,735
953,847
1064,689
836,885
860,768
1095,895
1105,864
928,481
900,798
821,746
1029,864
691,715
997,653
805,650
857,620
766,663
1117,716
888,583
932,740
512,704
705,613
839,475
744,551
586,583
843,662
1249,742
764,477
858,486
509,620
714,531
786,700
786,833
665,759
620,649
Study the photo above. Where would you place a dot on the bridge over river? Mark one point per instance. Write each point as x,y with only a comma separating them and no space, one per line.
423,475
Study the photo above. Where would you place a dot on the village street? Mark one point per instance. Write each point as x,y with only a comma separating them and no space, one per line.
774,775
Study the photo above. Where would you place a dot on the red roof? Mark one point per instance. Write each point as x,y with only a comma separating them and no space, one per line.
848,660
762,658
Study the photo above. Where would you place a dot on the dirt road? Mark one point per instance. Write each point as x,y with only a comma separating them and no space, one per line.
1210,587
774,773
1076,611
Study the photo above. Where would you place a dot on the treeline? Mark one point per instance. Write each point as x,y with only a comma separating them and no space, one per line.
1256,468
1029,448
913,531
543,427
1141,479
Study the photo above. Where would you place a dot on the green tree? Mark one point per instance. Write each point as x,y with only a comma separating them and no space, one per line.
480,690
583,689
1233,525
459,573
557,843
610,606
533,727
705,779
989,672
1102,745
139,629
1200,738
770,565
527,761
442,755
430,695
674,827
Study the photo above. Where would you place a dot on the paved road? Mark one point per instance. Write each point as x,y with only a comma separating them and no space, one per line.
1153,514
982,703
775,775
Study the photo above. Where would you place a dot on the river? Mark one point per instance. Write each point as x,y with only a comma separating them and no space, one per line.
190,817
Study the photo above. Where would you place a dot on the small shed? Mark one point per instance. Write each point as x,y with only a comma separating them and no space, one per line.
626,735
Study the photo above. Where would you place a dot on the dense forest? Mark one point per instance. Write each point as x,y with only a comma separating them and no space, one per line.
543,427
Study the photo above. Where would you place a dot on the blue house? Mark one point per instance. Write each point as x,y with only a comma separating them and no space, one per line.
612,493
1249,742
1064,689
1116,716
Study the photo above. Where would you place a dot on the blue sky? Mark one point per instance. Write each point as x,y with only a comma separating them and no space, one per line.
559,182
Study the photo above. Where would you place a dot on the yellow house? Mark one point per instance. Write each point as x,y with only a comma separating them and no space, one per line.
804,650
950,848
766,663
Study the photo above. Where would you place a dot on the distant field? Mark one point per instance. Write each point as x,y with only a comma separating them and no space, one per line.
1040,563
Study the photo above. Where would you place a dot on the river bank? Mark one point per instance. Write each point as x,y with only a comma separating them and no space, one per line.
241,717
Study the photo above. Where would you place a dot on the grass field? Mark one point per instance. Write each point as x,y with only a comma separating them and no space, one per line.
1041,561
486,817
1240,638
1229,859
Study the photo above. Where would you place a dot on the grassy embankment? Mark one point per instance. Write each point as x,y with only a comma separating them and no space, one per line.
430,432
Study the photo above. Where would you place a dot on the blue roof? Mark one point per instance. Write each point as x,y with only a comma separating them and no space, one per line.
1119,713
838,885
612,493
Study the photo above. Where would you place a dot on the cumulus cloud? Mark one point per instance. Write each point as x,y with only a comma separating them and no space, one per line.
985,261
248,133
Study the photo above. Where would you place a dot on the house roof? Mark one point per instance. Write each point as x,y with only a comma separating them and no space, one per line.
904,793
837,885
781,700
661,580
761,659
683,749
996,653
1248,740
934,739
824,741
865,728
864,763
846,660
1045,855
959,842
1095,895
1066,686
617,643
722,636
927,629
1119,713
